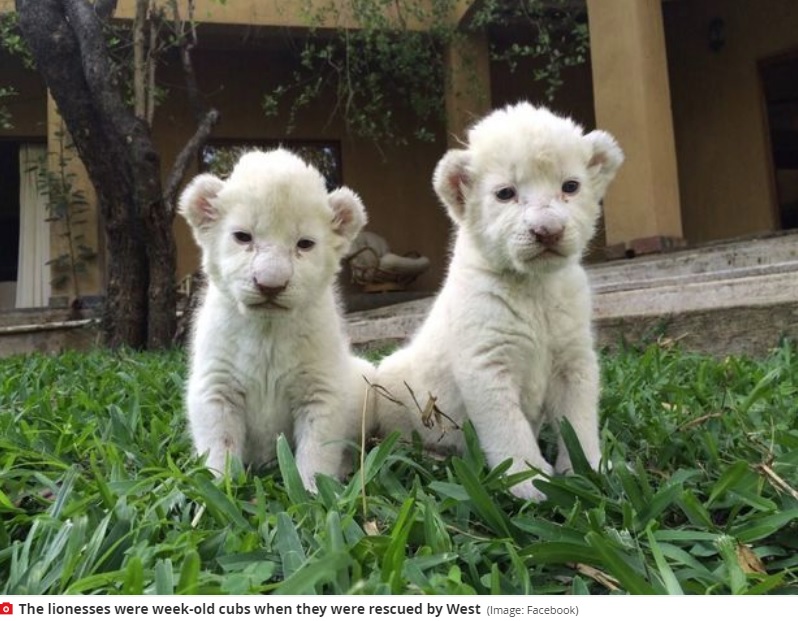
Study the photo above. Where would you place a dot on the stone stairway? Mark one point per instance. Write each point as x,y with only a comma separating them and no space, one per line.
738,296
752,272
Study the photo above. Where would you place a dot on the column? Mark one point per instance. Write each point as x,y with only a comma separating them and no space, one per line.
632,101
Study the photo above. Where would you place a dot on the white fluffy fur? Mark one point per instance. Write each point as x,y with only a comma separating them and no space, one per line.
269,353
508,343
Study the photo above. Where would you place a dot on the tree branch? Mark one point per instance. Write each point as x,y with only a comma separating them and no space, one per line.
187,43
152,64
186,156
139,64
100,74
206,118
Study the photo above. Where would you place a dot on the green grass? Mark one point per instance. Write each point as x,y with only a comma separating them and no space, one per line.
99,494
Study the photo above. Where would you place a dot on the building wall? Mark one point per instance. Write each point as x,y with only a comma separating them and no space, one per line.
574,98
725,176
393,181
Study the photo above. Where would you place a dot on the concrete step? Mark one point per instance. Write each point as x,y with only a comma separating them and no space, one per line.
679,297
733,297
753,272
717,261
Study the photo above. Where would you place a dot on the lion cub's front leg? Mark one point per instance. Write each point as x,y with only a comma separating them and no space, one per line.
492,401
218,429
573,395
316,452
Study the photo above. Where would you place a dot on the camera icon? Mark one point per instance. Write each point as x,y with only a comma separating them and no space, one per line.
6,608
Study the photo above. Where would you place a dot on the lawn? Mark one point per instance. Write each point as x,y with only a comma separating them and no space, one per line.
99,493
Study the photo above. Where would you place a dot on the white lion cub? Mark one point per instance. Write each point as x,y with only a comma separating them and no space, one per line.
269,353
508,342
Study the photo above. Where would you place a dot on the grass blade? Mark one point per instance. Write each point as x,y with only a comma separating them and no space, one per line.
294,486
482,501
669,580
628,577
188,583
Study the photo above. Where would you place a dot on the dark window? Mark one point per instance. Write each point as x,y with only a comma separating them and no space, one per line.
219,157
9,209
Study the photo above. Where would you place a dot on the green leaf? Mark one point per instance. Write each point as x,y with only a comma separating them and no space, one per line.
289,546
561,552
222,508
188,583
630,487
626,575
482,501
761,390
658,504
767,584
294,486
134,577
731,477
672,586
164,577
578,460
759,528
308,576
5,503
727,546
395,554
695,511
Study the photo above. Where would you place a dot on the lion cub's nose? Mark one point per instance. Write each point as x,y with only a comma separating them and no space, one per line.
547,235
270,290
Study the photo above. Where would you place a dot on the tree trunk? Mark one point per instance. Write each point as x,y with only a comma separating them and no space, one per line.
161,250
123,322
67,41
162,297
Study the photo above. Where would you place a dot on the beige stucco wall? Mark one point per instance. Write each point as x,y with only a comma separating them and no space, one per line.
726,183
291,13
393,181
573,98
85,220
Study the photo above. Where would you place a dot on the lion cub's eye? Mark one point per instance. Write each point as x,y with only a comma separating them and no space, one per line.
570,187
242,237
505,194
305,244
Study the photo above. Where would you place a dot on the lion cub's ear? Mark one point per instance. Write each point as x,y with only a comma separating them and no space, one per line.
451,180
196,203
606,159
349,214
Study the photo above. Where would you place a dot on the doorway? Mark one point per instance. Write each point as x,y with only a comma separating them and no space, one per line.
780,86
9,221
24,226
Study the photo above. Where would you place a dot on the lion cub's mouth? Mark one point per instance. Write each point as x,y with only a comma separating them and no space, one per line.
267,304
546,253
